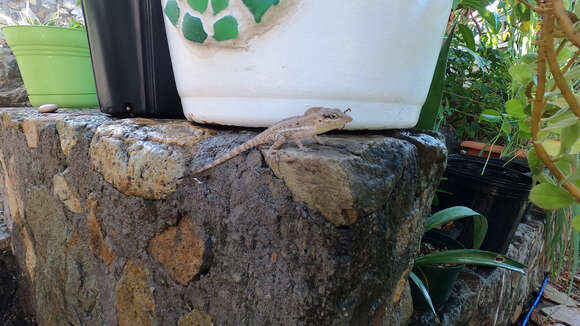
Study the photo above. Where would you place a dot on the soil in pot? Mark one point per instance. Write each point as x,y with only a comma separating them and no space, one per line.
500,194
438,279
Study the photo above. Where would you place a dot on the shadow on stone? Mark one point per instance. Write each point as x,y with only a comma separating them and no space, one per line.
11,309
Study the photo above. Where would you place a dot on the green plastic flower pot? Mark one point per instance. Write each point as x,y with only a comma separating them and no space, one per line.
55,64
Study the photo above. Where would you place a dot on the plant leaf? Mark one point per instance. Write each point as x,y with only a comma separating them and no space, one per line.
432,105
470,257
458,212
467,35
490,115
515,108
423,291
549,196
569,136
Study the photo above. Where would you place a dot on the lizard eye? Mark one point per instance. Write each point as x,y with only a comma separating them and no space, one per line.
333,116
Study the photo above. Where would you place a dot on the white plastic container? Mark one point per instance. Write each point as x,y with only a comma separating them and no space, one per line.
376,57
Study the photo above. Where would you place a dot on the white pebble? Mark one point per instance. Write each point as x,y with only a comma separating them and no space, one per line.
48,108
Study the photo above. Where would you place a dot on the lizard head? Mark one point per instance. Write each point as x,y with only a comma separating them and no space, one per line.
328,119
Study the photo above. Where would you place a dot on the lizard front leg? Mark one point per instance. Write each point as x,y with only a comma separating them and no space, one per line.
318,140
300,146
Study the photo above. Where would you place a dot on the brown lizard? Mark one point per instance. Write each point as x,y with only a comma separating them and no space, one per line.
315,121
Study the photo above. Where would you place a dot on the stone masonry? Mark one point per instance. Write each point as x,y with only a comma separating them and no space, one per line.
110,227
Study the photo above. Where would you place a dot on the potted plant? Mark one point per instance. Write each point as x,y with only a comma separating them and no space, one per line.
434,273
497,189
54,61
255,62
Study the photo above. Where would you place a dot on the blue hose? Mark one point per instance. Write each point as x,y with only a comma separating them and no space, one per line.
546,278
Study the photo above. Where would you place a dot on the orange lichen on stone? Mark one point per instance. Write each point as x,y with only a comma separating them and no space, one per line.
96,238
134,302
180,249
145,158
400,286
31,132
195,318
66,194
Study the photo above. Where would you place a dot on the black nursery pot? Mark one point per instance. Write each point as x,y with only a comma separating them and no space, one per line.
438,279
500,194
131,61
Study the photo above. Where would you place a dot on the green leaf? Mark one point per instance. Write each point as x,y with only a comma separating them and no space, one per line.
423,290
534,161
478,5
576,223
515,108
549,196
568,137
456,213
467,35
490,115
522,73
432,105
552,146
530,58
481,62
492,19
470,257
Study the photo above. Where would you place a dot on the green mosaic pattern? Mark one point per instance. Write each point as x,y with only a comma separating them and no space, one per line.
172,11
259,7
198,5
193,29
219,5
226,28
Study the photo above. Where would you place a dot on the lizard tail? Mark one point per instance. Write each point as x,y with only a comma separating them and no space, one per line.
233,153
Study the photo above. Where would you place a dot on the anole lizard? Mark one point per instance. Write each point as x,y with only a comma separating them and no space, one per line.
315,121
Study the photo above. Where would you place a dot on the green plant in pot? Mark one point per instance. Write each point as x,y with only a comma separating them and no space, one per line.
434,273
54,61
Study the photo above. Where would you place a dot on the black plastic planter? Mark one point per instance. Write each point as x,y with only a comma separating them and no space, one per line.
500,194
438,279
131,59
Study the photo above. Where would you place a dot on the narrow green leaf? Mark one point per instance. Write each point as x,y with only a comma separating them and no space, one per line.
467,35
423,291
490,115
483,64
549,196
432,105
470,257
458,212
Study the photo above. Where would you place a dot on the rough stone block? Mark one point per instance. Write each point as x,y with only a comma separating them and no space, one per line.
113,228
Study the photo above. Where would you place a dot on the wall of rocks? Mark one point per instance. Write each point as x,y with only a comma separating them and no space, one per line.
109,226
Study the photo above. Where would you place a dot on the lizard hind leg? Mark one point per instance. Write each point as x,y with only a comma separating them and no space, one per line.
277,144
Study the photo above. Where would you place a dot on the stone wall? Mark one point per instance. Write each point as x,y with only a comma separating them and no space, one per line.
110,226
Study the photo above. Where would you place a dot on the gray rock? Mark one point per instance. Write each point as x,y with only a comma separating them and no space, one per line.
111,227
12,90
